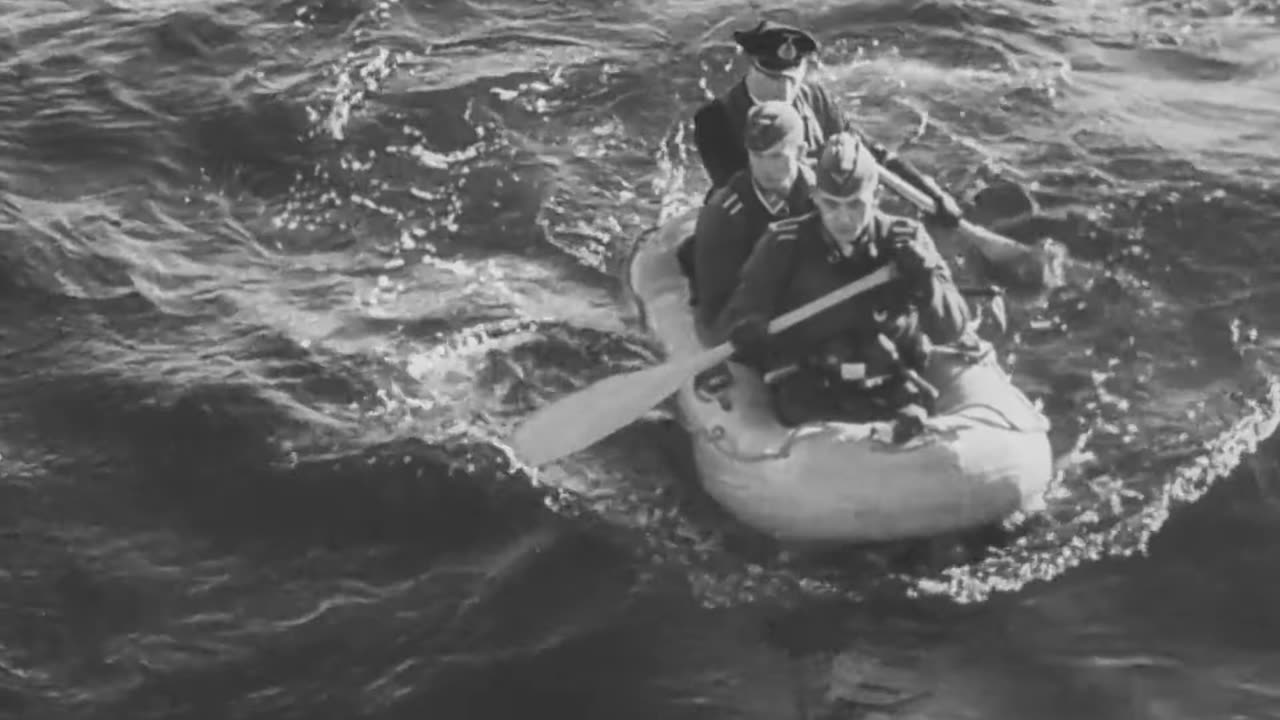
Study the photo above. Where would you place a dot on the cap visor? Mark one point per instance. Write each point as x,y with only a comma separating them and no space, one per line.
843,199
795,71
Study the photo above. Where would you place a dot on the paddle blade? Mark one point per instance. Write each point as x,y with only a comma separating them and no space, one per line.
1002,204
994,246
1039,266
591,414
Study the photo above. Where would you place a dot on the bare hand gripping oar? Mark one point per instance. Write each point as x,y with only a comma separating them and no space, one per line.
589,415
1029,262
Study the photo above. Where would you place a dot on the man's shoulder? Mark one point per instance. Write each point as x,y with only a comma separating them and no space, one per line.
814,85
815,92
709,114
726,200
736,98
816,96
721,107
740,181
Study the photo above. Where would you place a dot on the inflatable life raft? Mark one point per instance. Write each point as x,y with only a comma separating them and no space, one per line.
984,454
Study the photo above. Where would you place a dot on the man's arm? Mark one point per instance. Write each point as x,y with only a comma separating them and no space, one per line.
720,250
944,314
766,271
718,149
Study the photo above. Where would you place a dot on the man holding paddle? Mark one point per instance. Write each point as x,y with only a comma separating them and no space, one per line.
859,361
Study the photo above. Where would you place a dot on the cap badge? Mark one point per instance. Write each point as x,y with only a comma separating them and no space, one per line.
787,51
845,167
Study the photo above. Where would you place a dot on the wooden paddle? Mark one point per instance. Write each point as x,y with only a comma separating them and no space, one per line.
593,413
1038,264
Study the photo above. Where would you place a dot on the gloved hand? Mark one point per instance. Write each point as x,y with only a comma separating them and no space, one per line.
881,356
914,350
913,252
750,340
908,423
946,211
909,353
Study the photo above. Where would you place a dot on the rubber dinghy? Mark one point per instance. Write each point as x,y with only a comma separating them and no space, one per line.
984,456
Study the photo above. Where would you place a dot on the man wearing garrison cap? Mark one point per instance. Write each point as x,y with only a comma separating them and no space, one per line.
779,57
852,358
774,186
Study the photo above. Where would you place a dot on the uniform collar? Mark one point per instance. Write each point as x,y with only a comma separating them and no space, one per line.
794,199
861,249
751,99
775,205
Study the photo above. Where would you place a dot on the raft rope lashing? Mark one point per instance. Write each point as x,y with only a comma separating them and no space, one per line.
717,437
1040,427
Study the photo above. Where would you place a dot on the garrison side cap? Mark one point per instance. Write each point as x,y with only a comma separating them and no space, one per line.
772,123
845,166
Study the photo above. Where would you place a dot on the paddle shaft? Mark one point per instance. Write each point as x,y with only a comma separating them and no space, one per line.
589,415
712,356
913,194
809,309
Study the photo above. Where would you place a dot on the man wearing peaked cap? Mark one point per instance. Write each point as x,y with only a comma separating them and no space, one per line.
855,359
776,48
774,186
780,57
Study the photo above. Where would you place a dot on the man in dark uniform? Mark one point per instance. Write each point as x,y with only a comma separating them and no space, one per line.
779,62
857,359
774,186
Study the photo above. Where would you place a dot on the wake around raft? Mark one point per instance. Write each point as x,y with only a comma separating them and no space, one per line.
984,456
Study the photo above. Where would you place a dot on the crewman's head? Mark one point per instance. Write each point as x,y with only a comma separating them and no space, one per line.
779,59
844,190
774,136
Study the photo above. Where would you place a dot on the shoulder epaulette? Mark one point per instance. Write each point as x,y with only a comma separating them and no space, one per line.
729,201
704,113
788,228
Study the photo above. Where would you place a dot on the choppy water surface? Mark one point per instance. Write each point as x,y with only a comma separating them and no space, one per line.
278,277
